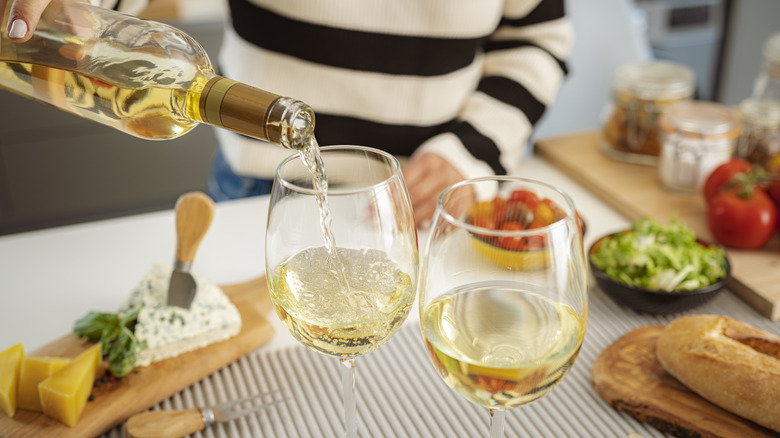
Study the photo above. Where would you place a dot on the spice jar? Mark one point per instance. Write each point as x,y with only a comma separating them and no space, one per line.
696,137
767,84
760,139
640,93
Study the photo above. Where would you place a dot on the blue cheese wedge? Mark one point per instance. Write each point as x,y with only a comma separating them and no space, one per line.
167,331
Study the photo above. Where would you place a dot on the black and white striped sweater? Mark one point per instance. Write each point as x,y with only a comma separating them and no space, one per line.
466,79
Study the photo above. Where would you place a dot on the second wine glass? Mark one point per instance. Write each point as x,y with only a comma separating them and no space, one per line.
503,294
341,254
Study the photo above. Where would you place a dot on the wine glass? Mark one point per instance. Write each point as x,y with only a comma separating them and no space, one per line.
341,254
503,311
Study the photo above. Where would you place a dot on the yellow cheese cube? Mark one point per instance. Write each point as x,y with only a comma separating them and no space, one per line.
10,361
35,370
65,393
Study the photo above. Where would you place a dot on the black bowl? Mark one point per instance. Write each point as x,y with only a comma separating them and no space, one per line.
654,301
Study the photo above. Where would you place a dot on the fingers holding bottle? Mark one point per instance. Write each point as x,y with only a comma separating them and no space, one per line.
23,17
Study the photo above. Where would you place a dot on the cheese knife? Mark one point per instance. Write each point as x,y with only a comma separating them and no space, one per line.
180,423
194,212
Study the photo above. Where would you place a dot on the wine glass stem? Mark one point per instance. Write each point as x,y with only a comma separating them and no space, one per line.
350,406
497,417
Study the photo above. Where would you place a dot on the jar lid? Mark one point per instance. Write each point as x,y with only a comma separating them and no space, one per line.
761,113
654,80
700,119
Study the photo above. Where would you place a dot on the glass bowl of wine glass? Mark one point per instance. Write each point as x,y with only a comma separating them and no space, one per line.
341,254
499,333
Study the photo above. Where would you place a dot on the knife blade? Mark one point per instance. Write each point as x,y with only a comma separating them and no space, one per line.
194,212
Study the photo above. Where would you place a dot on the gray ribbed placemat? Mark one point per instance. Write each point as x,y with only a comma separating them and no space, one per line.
399,394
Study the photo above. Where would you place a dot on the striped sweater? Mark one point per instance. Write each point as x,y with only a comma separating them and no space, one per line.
466,79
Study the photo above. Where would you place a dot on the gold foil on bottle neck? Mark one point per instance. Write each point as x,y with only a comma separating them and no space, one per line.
236,106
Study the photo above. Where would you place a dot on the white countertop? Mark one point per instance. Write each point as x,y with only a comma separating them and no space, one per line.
50,278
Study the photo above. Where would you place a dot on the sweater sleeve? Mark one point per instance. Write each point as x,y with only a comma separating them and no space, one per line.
524,66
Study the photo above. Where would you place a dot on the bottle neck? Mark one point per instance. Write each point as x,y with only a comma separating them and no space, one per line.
256,113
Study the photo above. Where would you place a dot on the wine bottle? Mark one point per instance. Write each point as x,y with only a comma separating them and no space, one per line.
145,78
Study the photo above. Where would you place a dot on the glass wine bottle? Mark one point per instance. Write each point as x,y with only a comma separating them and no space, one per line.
145,78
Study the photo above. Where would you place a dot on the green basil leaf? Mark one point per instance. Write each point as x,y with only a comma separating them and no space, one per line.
94,324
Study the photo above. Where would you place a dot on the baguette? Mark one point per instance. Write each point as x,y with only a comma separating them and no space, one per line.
727,362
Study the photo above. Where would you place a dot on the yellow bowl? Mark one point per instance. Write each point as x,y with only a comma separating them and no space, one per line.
533,259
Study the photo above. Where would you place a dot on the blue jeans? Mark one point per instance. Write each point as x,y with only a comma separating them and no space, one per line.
224,184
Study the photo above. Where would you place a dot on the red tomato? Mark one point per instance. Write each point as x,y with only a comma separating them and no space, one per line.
513,243
773,188
485,222
499,209
743,223
526,197
722,175
774,192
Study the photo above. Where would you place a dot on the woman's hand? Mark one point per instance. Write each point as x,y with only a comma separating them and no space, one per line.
426,176
24,15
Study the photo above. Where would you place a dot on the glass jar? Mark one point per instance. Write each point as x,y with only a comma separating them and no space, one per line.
760,139
767,84
696,137
640,92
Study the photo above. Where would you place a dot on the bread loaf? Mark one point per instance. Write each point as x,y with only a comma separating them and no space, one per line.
727,362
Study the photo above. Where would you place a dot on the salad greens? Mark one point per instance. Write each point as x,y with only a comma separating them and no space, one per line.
655,257
116,336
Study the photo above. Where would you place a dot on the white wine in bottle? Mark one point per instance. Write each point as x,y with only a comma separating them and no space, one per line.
141,77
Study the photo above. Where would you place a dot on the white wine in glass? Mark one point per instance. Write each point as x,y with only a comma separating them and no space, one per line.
341,255
503,293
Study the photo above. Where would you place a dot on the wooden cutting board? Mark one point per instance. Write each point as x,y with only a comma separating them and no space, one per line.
636,191
629,377
146,386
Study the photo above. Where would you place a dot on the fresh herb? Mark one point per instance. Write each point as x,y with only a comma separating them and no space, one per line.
115,334
655,257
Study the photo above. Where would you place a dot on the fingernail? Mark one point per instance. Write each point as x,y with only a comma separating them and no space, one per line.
18,29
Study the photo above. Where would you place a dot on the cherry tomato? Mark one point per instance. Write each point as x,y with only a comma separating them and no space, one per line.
485,222
722,175
543,214
481,209
518,212
742,222
499,210
526,197
513,243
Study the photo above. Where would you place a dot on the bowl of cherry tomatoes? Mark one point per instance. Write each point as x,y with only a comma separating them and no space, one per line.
521,210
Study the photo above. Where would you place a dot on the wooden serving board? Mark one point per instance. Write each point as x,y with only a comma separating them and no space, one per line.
629,377
146,386
636,191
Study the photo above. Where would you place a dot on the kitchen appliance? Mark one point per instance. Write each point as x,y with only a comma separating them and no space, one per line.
688,32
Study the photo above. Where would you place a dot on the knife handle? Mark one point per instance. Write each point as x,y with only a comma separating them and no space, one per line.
164,424
194,212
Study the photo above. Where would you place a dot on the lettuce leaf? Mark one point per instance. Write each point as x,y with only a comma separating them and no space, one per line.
666,258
